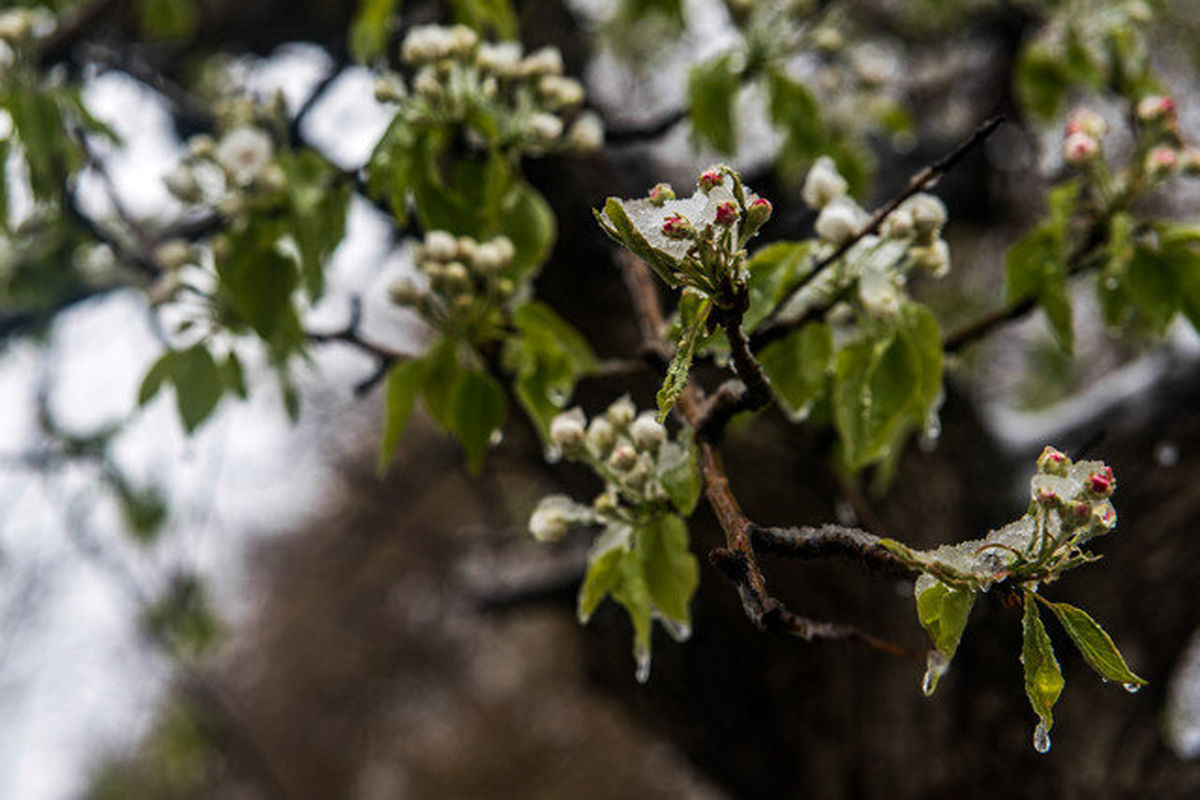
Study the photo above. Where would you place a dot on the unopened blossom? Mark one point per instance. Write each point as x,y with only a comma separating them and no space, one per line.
1155,108
245,152
586,133
726,214
1080,148
838,221
1160,161
676,227
823,184
710,179
1084,120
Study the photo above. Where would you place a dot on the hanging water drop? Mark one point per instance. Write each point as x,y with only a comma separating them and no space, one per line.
1041,738
553,454
643,665
936,665
679,631
557,396
496,438
1132,688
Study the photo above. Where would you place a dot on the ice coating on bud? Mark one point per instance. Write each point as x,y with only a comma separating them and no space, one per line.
1084,120
710,179
567,431
1101,482
928,214
1053,462
647,433
554,516
726,214
623,458
1155,108
1080,148
621,412
758,213
661,193
676,226
601,436
839,221
823,184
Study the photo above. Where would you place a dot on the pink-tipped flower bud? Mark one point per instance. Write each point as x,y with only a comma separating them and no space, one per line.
1155,108
1080,148
1053,462
677,227
1082,509
1084,120
1161,162
661,193
623,458
1104,516
1101,482
710,179
1047,497
727,214
758,213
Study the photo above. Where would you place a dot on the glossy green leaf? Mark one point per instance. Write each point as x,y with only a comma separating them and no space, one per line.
496,16
672,573
603,569
404,383
480,407
318,201
198,385
771,273
440,382
257,279
1095,645
943,611
797,114
1041,80
1035,267
529,222
548,357
799,366
232,375
1043,678
713,87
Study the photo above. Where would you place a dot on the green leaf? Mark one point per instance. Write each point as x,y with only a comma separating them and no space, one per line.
480,407
677,372
495,15
404,383
548,357
943,611
1095,645
671,571
795,111
529,222
771,273
712,93
232,375
257,280
885,385
1036,267
144,510
318,201
440,383
603,569
158,374
1043,678
198,385
1041,80
168,19
798,367
679,473
371,28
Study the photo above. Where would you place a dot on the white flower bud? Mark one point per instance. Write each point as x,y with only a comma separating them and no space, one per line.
15,25
622,412
548,523
647,433
586,133
546,61
1084,120
934,259
839,221
389,89
440,246
461,40
601,436
427,85
404,292
487,259
202,146
560,92
174,253
272,179
426,43
623,458
928,214
456,277
879,295
546,127
181,182
823,184
897,225
466,249
504,249
244,153
502,59
567,431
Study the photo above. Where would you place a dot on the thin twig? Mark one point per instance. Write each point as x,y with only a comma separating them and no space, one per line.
926,179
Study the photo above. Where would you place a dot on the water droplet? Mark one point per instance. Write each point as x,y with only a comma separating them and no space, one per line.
1111,283
1041,738
931,432
553,454
558,397
936,665
1132,688
643,665
496,438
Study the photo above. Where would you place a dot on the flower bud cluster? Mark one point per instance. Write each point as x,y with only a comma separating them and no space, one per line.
465,279
1074,496
457,78
629,450
1161,148
229,173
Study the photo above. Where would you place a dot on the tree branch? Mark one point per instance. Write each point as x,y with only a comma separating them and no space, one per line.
737,559
927,178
